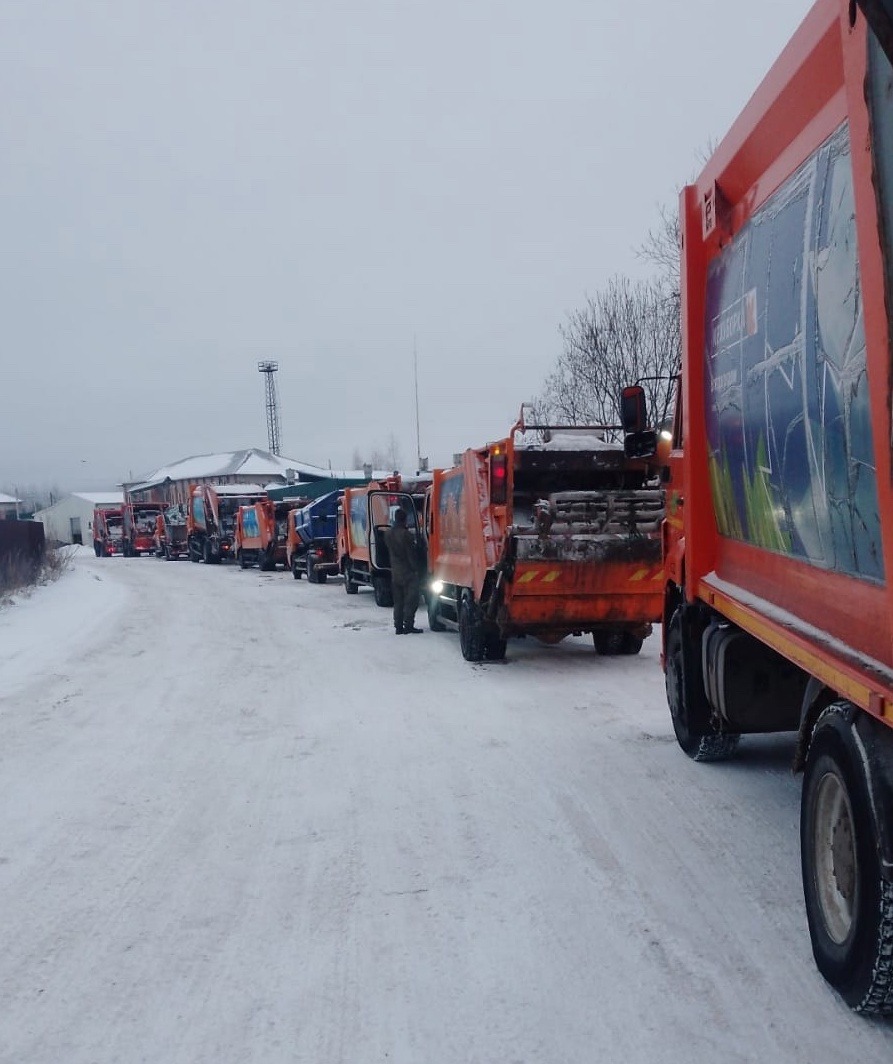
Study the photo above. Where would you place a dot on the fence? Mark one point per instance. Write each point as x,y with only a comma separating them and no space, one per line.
22,547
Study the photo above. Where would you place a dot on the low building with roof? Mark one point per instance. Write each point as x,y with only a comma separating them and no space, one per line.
70,519
252,467
10,507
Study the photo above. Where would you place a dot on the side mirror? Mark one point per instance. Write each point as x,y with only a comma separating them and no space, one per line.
633,409
638,440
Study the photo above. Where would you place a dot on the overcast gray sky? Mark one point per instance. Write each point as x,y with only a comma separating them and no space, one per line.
189,186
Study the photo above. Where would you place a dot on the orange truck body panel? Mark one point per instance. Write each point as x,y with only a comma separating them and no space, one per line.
749,532
537,547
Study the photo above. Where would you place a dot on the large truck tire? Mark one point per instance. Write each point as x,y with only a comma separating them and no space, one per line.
350,586
849,904
695,731
631,644
295,568
381,588
471,629
312,574
434,621
608,641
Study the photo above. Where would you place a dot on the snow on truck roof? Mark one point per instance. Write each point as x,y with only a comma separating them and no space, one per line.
569,439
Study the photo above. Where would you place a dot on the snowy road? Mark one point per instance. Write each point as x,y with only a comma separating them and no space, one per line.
241,822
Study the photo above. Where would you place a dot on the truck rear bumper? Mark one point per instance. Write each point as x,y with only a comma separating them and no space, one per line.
582,595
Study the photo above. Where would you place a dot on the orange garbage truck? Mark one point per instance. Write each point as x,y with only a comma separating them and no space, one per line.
138,528
260,534
364,516
778,539
211,519
550,532
108,531
170,533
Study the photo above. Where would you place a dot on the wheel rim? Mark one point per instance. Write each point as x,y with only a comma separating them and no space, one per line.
836,865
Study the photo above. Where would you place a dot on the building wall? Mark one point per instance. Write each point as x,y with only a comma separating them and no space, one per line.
56,520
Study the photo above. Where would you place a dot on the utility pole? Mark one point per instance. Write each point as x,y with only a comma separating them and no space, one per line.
270,369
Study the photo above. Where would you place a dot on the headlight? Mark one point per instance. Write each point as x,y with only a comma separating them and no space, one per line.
437,586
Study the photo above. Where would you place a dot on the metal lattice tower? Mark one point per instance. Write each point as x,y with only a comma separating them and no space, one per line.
270,369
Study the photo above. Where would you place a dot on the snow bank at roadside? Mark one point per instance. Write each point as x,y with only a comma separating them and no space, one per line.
55,622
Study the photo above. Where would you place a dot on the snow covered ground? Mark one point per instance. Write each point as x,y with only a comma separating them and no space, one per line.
241,822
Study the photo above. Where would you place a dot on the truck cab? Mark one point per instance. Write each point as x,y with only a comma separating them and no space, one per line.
366,514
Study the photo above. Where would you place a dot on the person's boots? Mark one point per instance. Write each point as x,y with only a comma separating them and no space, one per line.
412,630
399,629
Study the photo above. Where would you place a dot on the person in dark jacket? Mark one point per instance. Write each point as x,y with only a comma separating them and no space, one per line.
405,574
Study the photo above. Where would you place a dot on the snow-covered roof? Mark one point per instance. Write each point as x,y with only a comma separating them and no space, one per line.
252,462
8,500
101,498
92,498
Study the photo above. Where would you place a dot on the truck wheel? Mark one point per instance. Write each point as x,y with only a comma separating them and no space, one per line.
434,621
631,644
349,586
206,552
849,905
312,575
240,558
698,738
321,577
381,588
471,629
608,641
295,571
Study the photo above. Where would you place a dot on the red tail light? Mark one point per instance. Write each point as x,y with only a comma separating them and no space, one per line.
498,478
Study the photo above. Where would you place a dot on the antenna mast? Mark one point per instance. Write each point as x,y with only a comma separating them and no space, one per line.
270,369
418,438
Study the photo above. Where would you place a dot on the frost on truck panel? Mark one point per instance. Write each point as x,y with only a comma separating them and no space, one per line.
789,432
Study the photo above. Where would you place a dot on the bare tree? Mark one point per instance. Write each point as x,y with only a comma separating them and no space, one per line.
388,456
662,249
626,333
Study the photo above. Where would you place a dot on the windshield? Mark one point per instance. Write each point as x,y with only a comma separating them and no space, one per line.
385,505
